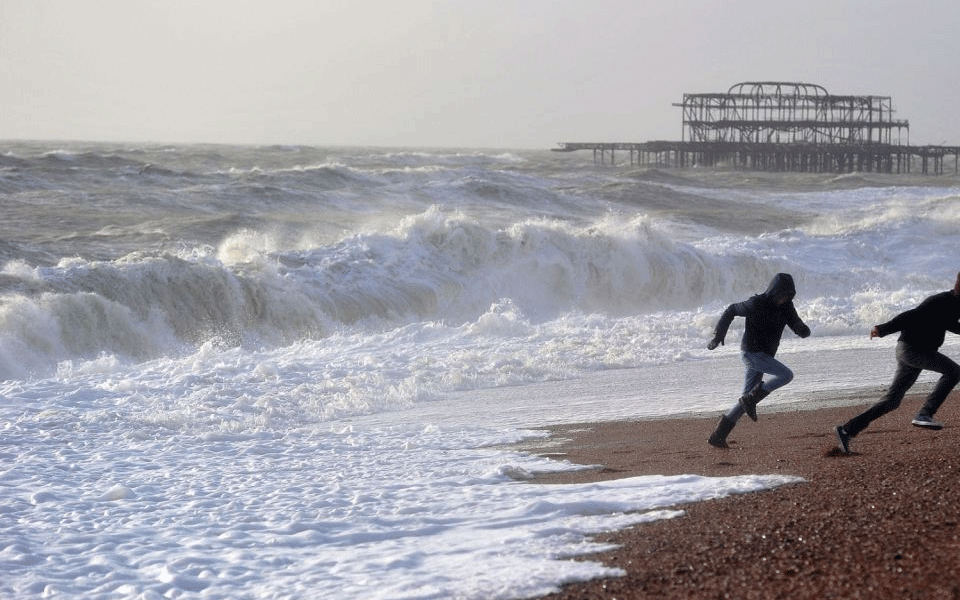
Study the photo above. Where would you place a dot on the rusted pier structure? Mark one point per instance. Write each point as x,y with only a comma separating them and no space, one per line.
778,126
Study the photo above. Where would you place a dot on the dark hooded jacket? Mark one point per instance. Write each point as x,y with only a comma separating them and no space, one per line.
924,327
765,319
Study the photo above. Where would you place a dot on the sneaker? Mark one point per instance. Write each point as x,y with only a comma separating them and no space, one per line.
843,438
926,422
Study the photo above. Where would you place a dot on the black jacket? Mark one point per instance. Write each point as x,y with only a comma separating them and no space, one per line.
925,326
765,319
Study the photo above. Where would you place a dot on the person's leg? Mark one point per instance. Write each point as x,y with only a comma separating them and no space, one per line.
718,439
763,363
735,412
949,377
729,420
752,376
905,376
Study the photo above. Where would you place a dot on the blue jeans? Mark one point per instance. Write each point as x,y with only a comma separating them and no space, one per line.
758,364
910,362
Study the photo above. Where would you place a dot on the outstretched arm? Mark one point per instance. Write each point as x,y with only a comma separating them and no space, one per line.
898,323
720,332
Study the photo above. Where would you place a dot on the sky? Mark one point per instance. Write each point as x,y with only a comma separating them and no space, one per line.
450,73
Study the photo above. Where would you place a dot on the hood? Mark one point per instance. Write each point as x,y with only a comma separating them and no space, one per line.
781,285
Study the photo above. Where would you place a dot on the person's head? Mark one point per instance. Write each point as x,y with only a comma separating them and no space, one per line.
956,286
781,289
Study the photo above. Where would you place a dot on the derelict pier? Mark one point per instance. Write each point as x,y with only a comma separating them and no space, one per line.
780,126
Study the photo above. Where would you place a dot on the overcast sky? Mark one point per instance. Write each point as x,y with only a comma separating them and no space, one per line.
452,73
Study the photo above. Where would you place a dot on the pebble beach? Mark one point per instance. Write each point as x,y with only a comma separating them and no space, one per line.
880,522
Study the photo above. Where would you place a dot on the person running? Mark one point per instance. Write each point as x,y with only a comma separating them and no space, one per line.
922,331
765,317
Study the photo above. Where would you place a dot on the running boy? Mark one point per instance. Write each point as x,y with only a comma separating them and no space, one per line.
766,315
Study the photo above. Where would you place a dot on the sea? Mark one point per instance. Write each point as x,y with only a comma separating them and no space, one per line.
238,372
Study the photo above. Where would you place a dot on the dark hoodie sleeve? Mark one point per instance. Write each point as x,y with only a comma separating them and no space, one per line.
898,323
796,323
737,309
925,313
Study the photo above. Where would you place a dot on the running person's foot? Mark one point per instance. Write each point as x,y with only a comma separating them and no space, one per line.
749,401
843,438
926,422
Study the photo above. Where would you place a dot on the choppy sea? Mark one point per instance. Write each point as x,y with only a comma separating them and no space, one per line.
287,372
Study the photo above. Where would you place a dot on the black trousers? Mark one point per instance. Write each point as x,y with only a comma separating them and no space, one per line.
910,362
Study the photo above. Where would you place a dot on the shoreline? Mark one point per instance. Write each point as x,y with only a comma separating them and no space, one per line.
883,521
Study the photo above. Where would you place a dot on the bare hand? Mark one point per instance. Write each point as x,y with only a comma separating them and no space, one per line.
874,332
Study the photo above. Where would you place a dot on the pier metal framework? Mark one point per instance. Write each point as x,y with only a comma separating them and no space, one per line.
784,126
760,112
